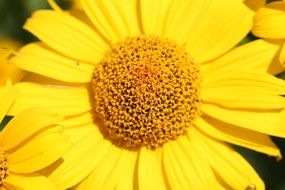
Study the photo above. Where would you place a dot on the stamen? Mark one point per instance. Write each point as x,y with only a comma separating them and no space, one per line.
146,90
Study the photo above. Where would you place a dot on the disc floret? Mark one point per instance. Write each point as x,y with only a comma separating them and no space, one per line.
146,90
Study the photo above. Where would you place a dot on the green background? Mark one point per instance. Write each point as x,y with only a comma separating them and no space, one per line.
13,14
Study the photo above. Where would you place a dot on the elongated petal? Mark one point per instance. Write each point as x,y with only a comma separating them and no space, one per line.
150,175
25,125
7,97
105,175
269,21
67,35
242,98
38,59
232,95
116,20
39,152
227,163
154,15
260,83
239,136
78,127
185,169
128,12
184,15
27,182
127,179
64,100
282,55
8,72
267,122
211,33
258,55
80,160
122,176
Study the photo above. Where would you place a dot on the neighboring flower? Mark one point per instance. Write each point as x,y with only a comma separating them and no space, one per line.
8,72
153,95
269,23
30,142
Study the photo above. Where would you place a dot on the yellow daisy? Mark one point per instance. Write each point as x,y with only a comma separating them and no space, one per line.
269,23
8,71
30,142
154,92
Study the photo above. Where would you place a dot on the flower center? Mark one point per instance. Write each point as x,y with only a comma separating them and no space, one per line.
3,167
146,91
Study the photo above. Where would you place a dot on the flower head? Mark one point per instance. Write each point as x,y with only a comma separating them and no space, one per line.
30,142
153,93
269,24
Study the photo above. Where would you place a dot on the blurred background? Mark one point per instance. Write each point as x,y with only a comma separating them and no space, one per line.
12,17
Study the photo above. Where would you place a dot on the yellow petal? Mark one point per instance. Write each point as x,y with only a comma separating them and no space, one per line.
116,20
80,160
107,173
39,152
38,59
27,182
282,55
25,125
128,163
267,122
78,120
185,169
67,35
64,100
47,81
128,11
180,18
78,127
258,55
244,96
150,174
7,97
8,71
213,29
122,177
260,83
227,163
269,21
239,136
153,15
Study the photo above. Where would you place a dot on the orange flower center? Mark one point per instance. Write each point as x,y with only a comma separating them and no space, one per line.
146,91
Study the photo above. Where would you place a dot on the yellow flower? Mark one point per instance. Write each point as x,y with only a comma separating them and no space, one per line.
30,142
269,23
8,71
153,94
